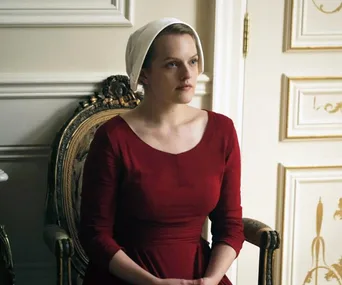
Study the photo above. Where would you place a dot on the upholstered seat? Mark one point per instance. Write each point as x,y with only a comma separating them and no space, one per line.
68,155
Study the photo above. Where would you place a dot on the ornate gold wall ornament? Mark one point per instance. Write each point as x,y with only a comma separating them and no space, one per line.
318,252
338,213
321,8
328,107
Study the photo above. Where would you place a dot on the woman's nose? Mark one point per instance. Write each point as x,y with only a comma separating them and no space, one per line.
186,72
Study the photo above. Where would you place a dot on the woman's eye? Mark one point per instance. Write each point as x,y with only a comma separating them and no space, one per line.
171,64
194,61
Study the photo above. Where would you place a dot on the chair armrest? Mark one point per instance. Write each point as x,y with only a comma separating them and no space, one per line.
260,234
60,244
7,275
58,241
268,241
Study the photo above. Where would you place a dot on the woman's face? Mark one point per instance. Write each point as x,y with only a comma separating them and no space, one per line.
172,75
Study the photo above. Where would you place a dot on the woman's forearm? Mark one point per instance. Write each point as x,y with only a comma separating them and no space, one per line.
125,268
222,257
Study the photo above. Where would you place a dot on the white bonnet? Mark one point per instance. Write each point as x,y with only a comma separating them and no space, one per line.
140,41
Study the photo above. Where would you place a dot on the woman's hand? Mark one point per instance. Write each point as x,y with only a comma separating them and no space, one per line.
202,281
179,282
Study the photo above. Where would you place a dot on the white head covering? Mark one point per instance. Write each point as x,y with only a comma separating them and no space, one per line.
140,41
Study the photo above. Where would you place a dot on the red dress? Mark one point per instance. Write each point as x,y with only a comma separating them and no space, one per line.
152,204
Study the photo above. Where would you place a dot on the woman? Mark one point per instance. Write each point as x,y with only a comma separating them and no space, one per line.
154,174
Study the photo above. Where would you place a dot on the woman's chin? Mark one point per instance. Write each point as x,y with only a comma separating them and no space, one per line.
184,101
185,97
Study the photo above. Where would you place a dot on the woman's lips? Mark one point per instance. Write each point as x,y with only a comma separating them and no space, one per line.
184,87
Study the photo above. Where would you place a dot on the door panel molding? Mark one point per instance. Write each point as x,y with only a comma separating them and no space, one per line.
309,219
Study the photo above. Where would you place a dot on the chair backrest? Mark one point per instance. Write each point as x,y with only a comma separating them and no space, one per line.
69,151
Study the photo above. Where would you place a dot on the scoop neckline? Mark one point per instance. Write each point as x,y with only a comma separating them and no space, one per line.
194,148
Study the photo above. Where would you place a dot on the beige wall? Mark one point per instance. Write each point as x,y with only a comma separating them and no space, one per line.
92,49
44,72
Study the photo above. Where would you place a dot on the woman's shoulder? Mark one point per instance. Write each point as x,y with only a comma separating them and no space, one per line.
224,129
115,126
220,120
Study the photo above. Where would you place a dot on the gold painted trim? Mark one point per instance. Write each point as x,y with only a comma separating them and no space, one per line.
280,210
321,8
285,106
281,214
310,167
284,112
265,266
246,29
288,43
315,77
288,25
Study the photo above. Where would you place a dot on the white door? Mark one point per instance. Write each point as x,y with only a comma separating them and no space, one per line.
292,137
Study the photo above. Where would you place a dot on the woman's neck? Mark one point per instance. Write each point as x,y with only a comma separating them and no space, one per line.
162,114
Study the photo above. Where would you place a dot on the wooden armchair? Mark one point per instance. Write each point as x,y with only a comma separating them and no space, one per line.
7,276
69,152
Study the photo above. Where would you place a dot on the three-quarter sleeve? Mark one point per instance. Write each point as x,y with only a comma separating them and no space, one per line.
227,225
98,200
